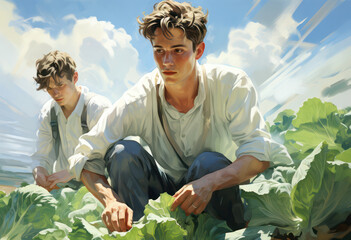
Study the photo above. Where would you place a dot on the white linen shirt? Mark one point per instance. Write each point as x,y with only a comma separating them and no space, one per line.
69,129
236,127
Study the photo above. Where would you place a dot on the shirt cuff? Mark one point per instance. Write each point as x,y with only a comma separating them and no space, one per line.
76,164
266,150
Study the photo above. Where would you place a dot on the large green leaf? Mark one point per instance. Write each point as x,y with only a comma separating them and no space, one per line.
59,232
312,111
162,207
280,174
73,203
332,203
315,122
269,203
209,228
342,173
345,156
151,228
282,122
4,200
343,136
309,135
252,233
307,182
83,229
30,209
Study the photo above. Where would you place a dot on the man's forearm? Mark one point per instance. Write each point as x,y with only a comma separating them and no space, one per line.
99,187
236,173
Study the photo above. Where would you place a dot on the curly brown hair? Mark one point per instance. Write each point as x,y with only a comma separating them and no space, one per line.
55,64
171,14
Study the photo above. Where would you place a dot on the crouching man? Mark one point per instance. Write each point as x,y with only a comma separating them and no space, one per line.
192,117
71,112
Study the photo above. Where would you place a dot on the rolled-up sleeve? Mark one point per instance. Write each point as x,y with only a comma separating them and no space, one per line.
247,126
116,123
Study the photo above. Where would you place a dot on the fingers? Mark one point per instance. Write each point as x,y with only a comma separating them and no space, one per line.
178,192
200,207
121,219
129,218
114,221
118,218
58,177
53,184
188,203
50,189
106,218
194,206
180,196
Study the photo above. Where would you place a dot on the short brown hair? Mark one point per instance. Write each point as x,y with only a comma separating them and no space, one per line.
171,14
55,64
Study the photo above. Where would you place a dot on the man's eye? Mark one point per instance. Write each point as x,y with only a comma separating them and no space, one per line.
159,51
179,50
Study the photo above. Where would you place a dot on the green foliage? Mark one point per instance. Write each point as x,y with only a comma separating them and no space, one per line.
315,191
160,222
29,210
252,233
289,199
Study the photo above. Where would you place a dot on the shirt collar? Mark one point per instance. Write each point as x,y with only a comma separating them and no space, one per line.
199,99
80,105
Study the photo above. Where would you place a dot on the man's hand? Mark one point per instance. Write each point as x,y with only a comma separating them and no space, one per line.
62,176
117,216
193,197
40,175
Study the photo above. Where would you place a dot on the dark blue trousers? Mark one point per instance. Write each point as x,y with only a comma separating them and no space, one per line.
136,178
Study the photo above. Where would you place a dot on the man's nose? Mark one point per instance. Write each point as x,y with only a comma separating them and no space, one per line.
55,91
168,58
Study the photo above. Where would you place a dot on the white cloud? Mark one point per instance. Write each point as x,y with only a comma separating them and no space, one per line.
104,55
70,17
258,47
36,19
287,72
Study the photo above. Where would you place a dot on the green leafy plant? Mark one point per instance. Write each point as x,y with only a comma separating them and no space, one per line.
304,200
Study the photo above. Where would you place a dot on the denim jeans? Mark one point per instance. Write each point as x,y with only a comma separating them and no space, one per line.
136,178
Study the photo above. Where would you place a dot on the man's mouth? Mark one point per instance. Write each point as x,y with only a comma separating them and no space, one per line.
58,99
168,72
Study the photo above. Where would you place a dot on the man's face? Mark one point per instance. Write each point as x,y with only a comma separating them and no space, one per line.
175,57
63,91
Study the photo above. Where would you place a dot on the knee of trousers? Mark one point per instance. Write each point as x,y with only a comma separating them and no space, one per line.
121,156
205,163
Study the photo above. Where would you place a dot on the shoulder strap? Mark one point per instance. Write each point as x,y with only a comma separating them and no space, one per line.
83,118
55,130
54,122
165,125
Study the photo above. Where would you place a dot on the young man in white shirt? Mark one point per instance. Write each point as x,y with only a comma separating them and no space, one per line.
72,111
201,123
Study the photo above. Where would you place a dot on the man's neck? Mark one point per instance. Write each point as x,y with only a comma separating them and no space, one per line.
69,108
182,96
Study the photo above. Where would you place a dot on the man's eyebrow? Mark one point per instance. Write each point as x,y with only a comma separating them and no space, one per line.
173,46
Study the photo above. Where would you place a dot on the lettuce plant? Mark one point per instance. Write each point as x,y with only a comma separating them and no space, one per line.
308,197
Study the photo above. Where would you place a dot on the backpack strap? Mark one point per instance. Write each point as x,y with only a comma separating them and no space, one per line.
83,117
54,129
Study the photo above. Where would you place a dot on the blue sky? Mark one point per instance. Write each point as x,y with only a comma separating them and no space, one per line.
292,50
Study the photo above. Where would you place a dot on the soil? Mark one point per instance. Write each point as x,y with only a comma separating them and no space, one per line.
7,189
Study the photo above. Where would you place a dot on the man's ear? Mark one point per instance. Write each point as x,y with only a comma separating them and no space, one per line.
75,77
200,49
